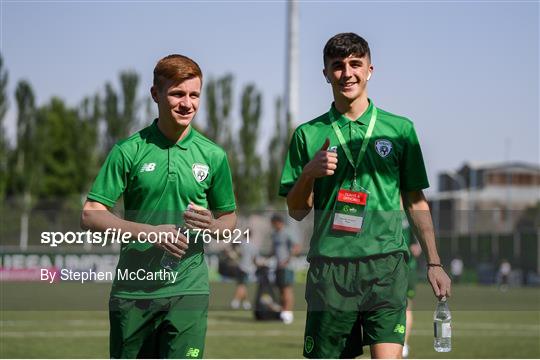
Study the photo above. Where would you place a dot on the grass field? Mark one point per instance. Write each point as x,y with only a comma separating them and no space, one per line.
486,324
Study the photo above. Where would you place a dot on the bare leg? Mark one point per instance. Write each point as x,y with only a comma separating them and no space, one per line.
287,298
287,303
409,321
408,328
386,351
240,293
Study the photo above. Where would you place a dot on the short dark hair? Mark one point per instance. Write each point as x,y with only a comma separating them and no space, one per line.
346,44
277,218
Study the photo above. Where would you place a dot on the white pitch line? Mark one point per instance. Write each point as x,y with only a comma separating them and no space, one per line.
497,326
480,333
455,325
213,321
53,334
70,322
461,326
251,333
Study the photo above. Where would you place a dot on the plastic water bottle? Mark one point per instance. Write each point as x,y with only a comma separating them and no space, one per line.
442,326
168,260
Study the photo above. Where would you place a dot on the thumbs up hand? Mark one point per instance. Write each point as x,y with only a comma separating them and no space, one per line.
325,145
324,163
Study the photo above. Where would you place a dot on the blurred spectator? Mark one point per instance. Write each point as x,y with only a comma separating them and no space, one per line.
266,306
236,261
284,248
504,273
456,269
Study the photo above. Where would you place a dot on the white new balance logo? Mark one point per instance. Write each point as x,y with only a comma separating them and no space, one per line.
148,167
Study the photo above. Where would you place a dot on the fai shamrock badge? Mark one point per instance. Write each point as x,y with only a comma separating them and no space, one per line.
383,147
200,171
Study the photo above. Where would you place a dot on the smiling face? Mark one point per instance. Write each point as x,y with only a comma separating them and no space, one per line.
348,76
177,102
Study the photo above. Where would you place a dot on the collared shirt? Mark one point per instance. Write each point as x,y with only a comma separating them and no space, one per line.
158,179
353,130
392,163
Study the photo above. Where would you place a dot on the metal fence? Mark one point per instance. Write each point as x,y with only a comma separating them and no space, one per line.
480,252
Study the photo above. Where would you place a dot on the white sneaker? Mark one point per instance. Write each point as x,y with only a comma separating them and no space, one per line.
405,352
235,304
287,317
246,305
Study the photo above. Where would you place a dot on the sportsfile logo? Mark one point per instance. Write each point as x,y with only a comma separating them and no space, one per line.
148,167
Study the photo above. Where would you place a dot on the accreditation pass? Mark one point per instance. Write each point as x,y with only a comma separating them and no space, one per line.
349,210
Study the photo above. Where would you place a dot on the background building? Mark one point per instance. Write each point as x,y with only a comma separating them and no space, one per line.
488,212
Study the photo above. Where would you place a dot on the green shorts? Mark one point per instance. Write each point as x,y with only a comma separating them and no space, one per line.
412,279
284,277
352,303
173,327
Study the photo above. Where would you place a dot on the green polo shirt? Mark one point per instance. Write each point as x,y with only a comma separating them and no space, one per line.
158,179
392,163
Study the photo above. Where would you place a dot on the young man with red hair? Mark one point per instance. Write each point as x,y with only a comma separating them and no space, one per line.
169,176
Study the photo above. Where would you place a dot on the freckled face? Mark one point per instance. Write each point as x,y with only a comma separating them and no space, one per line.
178,103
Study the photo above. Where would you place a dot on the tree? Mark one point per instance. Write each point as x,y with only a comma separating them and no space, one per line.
276,148
218,110
26,167
112,117
26,129
149,111
225,85
212,117
87,145
219,124
61,158
120,123
4,149
250,179
129,80
3,85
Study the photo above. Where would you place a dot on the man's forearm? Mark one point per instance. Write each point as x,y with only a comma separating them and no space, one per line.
100,220
300,197
419,215
224,221
423,229
420,220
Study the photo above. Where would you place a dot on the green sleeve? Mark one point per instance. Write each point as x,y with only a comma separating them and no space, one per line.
111,180
294,164
412,170
220,194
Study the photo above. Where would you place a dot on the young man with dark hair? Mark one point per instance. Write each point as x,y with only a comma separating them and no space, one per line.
169,176
357,280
